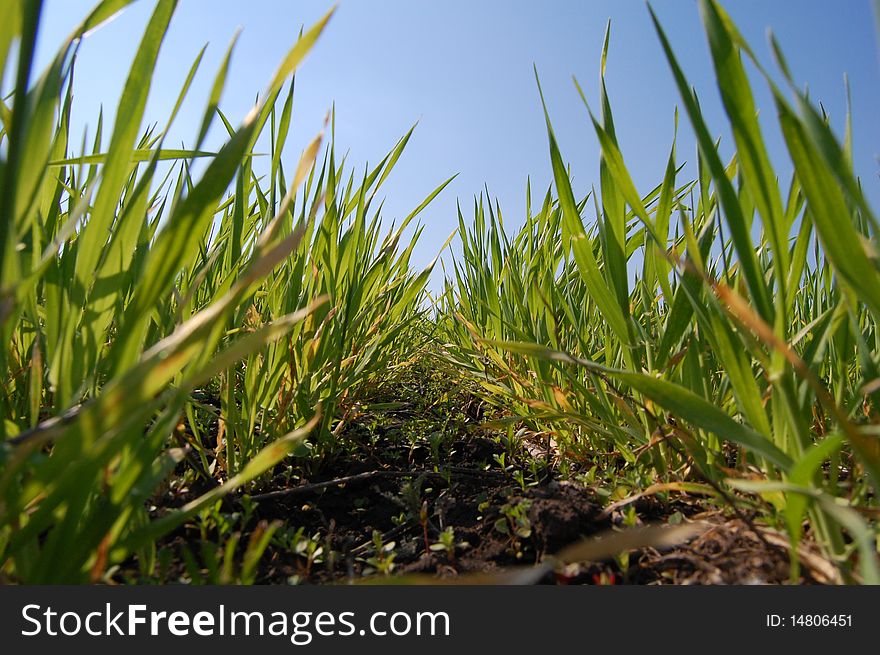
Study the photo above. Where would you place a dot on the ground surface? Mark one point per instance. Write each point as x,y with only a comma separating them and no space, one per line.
427,493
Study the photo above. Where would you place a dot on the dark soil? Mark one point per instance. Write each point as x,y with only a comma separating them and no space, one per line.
380,508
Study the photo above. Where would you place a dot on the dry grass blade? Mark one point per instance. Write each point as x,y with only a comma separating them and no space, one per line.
611,543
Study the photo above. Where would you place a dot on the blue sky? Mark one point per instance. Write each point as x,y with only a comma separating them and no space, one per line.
463,70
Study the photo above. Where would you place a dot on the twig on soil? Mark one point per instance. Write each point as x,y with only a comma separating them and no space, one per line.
371,475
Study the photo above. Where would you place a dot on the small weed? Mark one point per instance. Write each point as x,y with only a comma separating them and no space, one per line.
382,560
515,524
446,543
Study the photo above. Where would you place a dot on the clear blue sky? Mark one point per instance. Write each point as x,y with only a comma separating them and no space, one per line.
463,69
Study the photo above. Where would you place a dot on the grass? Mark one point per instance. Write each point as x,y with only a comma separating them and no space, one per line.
225,333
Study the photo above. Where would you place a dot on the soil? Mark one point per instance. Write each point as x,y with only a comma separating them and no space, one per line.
497,525
381,511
